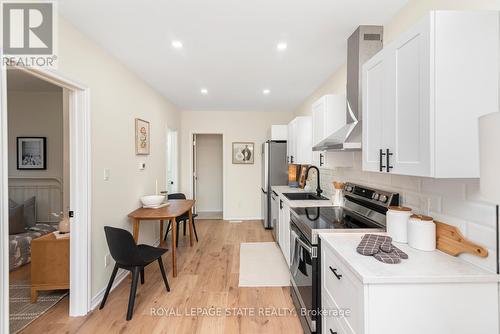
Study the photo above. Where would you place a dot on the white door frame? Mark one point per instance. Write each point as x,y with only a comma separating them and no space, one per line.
80,193
175,172
191,165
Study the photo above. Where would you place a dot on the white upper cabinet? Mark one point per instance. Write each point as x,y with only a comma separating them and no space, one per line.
278,132
328,116
299,145
424,92
375,117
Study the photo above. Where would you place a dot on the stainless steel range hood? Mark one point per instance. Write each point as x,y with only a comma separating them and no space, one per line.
365,42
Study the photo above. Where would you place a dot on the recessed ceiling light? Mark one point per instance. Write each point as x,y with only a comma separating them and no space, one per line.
266,91
177,44
281,46
204,91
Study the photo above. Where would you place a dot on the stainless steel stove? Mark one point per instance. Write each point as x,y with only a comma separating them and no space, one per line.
364,211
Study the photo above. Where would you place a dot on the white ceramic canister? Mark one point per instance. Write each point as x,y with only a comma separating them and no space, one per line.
422,233
397,223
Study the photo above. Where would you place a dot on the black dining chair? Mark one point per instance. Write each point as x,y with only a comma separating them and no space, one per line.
131,257
181,219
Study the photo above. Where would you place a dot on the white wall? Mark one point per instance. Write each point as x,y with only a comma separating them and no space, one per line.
36,114
455,202
242,182
117,96
209,172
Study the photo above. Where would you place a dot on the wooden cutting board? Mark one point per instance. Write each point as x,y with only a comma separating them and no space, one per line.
450,241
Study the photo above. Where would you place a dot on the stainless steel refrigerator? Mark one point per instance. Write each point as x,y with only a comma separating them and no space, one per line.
274,173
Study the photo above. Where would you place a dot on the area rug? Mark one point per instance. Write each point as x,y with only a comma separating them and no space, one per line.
262,265
22,311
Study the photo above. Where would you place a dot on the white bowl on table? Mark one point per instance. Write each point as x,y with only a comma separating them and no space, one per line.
152,200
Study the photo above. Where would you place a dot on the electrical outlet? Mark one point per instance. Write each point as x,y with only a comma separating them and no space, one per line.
107,260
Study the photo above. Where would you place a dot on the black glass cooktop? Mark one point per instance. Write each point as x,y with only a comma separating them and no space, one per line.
324,218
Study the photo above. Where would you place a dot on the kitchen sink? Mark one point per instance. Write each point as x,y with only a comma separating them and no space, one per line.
304,197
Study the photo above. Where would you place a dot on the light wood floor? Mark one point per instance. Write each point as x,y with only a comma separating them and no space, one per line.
208,278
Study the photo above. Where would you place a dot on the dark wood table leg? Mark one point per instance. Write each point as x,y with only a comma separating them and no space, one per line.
191,226
174,255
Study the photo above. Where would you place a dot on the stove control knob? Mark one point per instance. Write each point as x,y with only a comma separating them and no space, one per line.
348,188
383,198
375,196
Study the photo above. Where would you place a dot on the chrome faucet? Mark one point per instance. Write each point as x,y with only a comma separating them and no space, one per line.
318,187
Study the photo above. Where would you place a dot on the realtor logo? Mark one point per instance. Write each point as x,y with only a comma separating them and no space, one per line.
28,33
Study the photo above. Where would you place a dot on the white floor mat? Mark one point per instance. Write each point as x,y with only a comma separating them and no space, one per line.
262,264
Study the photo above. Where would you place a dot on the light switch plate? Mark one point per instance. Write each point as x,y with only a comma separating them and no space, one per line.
106,174
107,260
142,165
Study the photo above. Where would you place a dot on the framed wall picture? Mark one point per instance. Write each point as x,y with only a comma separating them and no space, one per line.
142,135
31,153
243,153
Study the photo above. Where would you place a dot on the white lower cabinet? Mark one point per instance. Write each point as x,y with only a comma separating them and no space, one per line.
343,291
445,305
284,230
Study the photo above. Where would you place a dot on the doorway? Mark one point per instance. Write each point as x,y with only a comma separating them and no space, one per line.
38,187
172,161
78,118
208,175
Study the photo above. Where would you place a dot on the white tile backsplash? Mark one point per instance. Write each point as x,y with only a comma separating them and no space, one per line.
455,201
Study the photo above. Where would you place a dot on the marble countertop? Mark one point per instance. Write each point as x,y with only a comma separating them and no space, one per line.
280,190
420,267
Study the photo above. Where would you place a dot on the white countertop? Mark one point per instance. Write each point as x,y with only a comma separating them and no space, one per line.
280,190
420,267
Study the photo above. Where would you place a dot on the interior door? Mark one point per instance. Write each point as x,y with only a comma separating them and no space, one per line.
172,161
195,178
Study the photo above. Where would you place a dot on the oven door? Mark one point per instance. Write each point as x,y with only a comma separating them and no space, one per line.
303,264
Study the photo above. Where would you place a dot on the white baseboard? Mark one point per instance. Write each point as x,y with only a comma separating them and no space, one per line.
120,276
96,300
240,218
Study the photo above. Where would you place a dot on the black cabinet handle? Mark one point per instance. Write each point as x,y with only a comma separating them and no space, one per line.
380,159
281,204
321,159
388,155
332,332
334,271
291,159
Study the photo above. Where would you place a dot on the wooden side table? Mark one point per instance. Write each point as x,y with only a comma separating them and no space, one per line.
49,264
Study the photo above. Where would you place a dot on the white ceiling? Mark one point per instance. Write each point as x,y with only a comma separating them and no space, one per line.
229,46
